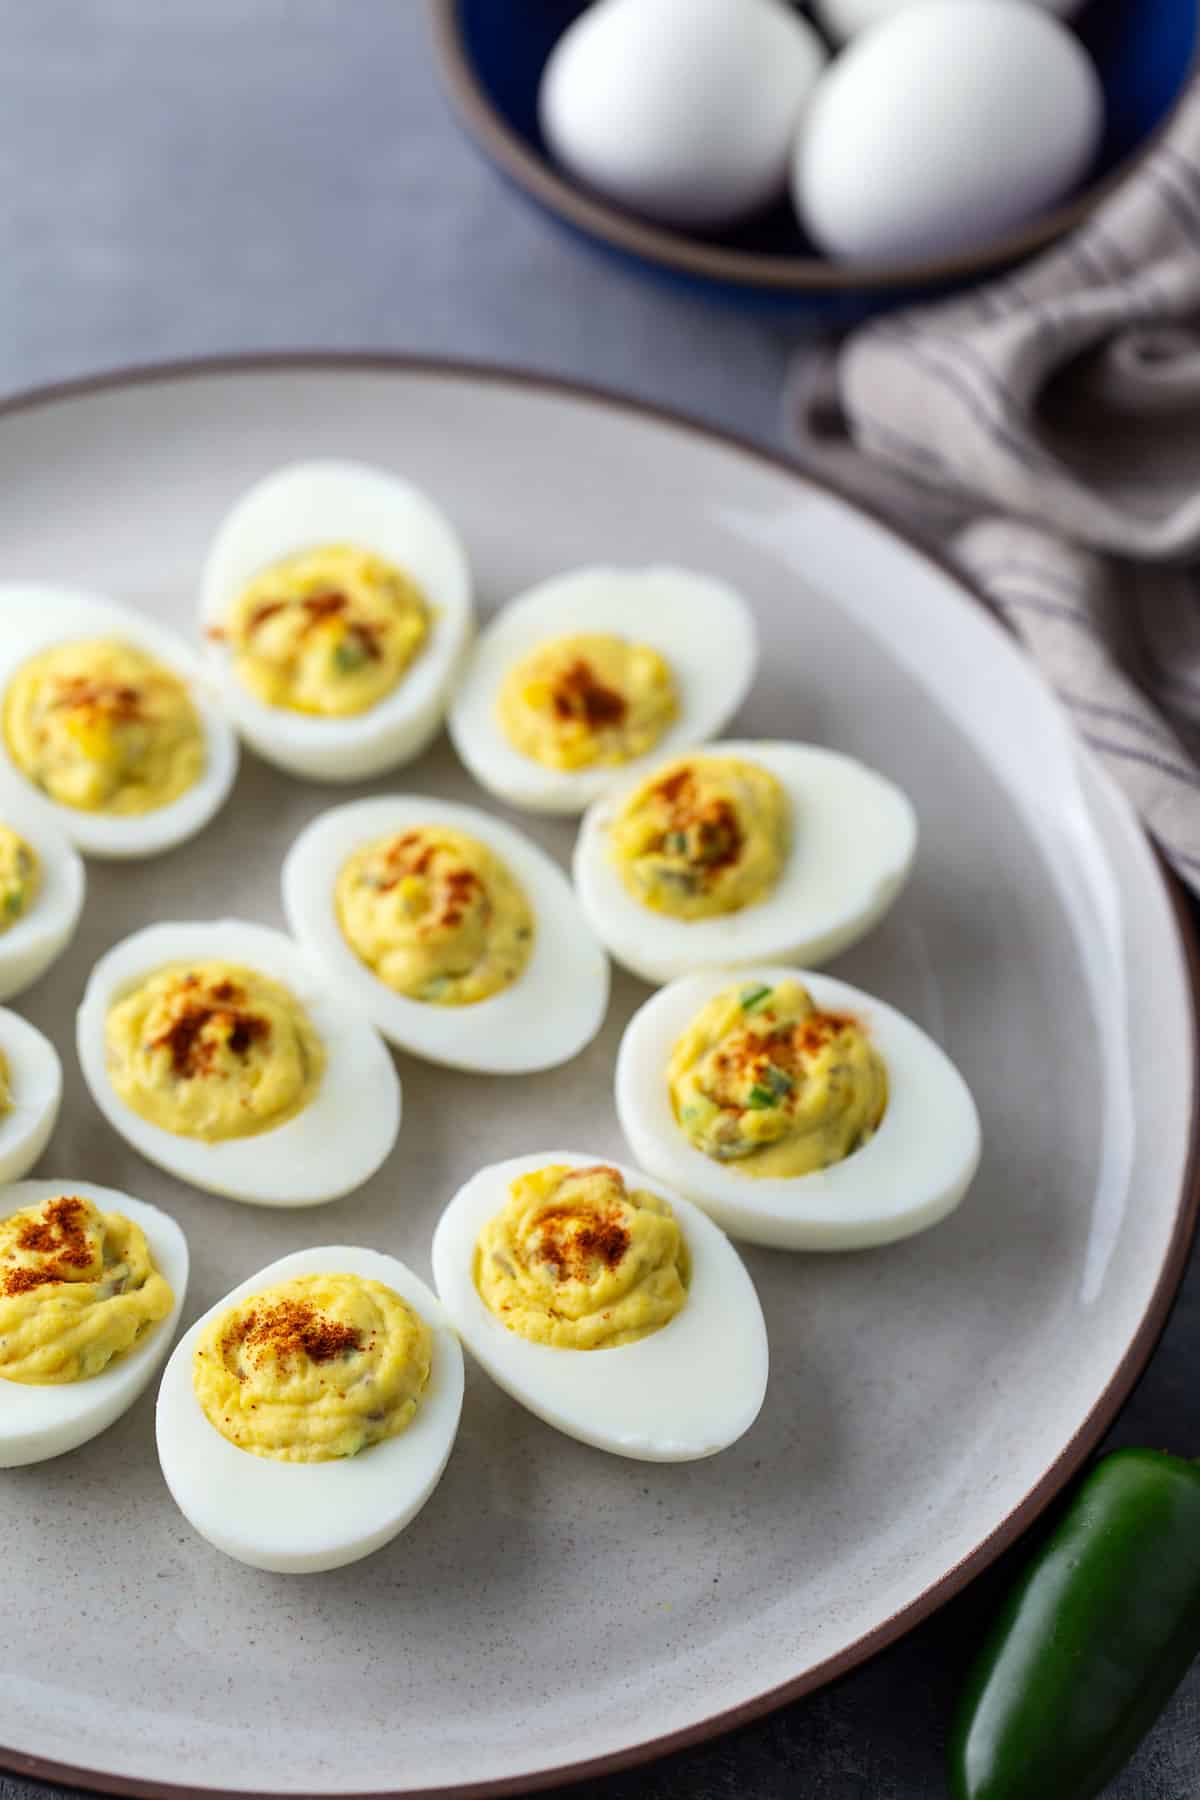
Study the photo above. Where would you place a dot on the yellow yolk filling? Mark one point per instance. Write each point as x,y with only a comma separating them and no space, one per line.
20,877
213,1051
319,1367
330,631
78,1288
578,1261
706,835
766,1082
591,699
435,915
102,727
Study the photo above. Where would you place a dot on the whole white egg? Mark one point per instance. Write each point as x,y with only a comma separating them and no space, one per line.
35,619
332,1145
683,1392
554,1007
34,1082
910,1174
702,629
39,1422
681,110
844,19
314,504
39,934
852,839
947,125
301,1518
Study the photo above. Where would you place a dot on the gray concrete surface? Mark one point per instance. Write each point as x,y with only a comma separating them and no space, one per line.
195,176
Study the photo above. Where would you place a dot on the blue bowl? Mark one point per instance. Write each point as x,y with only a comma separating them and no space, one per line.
492,53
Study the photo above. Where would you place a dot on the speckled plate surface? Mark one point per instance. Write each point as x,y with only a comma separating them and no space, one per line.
555,1607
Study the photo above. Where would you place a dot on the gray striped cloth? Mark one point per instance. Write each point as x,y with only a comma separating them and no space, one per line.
1047,429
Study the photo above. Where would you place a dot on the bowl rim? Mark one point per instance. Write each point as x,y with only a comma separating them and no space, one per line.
681,254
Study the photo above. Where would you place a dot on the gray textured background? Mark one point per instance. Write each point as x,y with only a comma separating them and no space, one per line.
184,177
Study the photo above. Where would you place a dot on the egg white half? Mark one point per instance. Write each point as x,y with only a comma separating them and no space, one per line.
37,1423
301,1518
854,837
35,1080
911,1174
333,1146
556,1005
704,629
312,503
33,618
685,1392
40,936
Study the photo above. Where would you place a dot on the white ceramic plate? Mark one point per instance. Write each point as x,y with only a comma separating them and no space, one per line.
554,1607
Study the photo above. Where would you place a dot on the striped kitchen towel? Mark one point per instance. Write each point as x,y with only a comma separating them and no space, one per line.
1047,428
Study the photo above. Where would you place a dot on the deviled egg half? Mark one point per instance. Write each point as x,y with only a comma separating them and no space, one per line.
105,721
457,937
588,677
308,1416
336,606
91,1286
42,888
740,853
220,1052
797,1110
606,1304
30,1095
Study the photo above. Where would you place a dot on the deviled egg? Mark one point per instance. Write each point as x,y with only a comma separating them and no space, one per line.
308,1416
220,1052
30,1095
587,677
604,1303
91,1287
795,1109
42,887
457,937
336,605
739,853
105,722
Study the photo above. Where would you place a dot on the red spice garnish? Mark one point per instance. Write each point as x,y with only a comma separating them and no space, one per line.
579,695
61,1236
676,787
323,606
460,885
266,609
364,633
191,1052
293,1327
714,826
117,700
413,854
573,1242
23,1281
787,1047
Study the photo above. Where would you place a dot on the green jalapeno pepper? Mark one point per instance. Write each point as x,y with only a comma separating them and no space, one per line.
1091,1643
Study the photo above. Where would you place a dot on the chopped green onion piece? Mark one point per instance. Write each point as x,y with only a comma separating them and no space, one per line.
677,842
760,1098
752,997
14,902
779,1083
348,656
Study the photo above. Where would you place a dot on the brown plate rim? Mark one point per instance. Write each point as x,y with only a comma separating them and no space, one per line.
1141,1345
798,275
